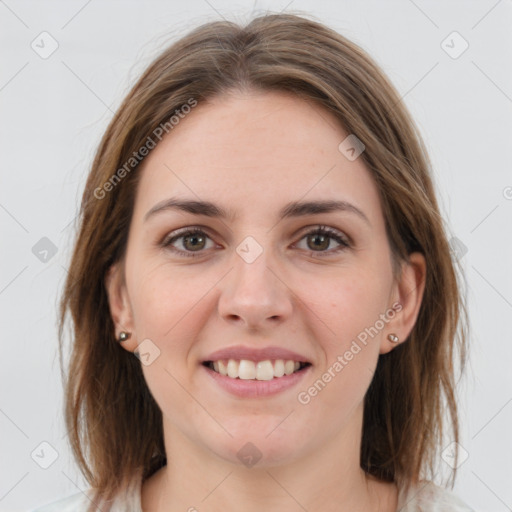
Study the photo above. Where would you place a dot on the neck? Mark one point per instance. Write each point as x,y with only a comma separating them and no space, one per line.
328,479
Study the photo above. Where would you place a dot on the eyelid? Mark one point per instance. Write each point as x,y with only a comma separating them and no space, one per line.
311,228
344,240
180,233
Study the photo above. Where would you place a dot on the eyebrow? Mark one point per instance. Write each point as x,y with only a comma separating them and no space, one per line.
293,209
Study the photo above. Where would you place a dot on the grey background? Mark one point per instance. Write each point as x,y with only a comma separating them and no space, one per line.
55,109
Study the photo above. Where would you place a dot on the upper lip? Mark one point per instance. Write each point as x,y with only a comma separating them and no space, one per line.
256,354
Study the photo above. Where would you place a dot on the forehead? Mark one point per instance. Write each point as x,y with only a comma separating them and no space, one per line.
255,151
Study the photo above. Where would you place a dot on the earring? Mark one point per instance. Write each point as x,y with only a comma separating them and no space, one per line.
393,338
123,336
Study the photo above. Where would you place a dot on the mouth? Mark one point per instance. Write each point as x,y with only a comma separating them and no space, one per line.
245,369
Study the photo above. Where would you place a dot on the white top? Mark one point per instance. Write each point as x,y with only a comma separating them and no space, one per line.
423,497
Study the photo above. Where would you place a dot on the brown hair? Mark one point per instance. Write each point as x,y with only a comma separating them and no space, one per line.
115,426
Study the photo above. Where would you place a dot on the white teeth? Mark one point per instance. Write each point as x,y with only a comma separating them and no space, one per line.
246,369
264,370
249,370
222,369
232,369
289,366
279,368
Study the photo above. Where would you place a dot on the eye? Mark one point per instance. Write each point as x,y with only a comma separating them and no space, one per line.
194,239
321,238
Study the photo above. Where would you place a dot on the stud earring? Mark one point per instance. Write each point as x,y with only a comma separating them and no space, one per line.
123,336
393,338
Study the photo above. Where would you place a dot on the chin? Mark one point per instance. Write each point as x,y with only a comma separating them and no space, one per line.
257,446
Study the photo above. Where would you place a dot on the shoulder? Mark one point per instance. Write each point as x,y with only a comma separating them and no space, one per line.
127,500
75,503
426,496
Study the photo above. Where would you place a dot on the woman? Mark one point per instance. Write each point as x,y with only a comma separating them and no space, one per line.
260,229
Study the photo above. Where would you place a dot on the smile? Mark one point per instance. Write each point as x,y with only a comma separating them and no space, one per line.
255,370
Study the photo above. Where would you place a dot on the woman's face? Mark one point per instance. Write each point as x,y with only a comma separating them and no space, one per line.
258,280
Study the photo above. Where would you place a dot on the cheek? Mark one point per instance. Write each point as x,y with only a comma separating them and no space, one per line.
169,309
166,301
349,304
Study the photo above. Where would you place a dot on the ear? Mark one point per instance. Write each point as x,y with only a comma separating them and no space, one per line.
120,307
407,297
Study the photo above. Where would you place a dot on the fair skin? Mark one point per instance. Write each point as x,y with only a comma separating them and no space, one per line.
253,153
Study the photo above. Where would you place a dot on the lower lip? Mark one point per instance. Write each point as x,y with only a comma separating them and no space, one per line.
257,388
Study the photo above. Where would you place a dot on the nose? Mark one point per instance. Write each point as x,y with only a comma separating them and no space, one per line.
254,295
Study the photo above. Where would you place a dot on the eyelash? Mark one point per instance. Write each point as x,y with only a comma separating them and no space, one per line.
319,230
